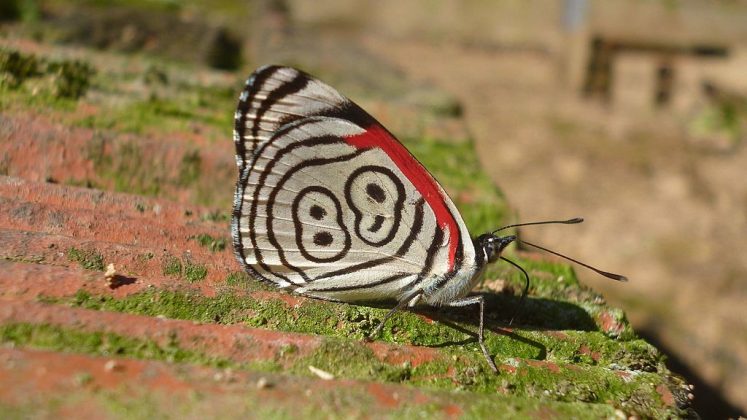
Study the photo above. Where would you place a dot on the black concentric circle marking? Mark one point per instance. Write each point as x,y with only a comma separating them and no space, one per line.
321,237
417,227
376,193
270,201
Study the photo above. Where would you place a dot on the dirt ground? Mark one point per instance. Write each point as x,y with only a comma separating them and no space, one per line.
668,214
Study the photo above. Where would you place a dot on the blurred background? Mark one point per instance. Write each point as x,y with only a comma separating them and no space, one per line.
630,113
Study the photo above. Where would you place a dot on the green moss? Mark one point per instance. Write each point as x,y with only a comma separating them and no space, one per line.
15,68
225,308
68,78
355,321
239,278
190,271
88,259
351,359
216,216
194,272
150,5
172,266
145,257
350,321
32,259
41,100
71,78
137,167
209,242
466,370
85,183
538,408
144,407
159,115
725,116
24,410
124,167
322,402
51,337
456,167
167,105
190,167
337,320
83,378
594,357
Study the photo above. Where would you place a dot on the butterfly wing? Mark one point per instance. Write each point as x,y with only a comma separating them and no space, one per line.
330,204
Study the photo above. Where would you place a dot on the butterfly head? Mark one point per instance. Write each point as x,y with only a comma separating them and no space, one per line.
492,245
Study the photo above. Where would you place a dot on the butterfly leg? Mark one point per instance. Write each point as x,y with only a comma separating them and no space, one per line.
401,304
477,300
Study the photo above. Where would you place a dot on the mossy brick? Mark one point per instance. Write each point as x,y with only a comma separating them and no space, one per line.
194,272
87,258
69,79
210,242
52,337
568,353
619,368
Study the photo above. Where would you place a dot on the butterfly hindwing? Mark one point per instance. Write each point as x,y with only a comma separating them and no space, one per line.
329,203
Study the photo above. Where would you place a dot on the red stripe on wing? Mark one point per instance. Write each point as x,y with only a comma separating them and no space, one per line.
377,136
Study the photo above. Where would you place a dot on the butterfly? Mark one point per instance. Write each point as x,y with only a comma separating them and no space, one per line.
330,205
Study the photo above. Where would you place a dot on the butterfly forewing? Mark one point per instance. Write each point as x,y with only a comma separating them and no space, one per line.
329,204
273,97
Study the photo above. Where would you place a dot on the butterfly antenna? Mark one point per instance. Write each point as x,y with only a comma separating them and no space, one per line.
573,221
523,294
613,276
